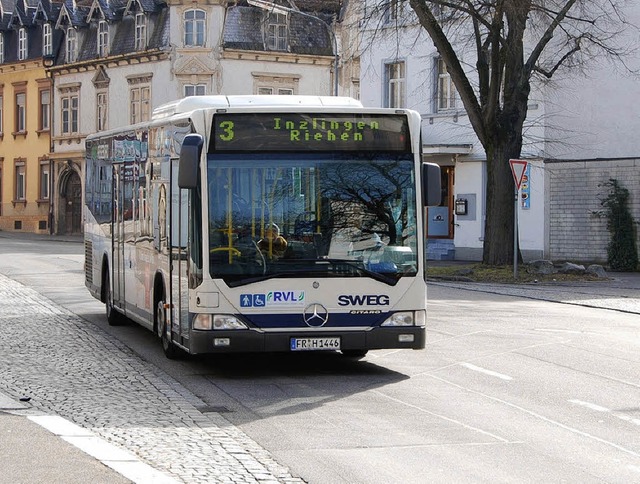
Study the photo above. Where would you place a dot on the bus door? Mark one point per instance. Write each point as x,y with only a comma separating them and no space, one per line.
117,266
179,280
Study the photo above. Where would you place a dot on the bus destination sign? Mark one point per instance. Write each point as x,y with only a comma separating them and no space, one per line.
250,132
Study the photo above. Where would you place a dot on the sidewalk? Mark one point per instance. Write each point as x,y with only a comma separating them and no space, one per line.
620,291
79,238
93,392
30,452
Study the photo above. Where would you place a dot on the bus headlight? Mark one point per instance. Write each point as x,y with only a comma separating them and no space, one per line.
406,318
226,321
217,321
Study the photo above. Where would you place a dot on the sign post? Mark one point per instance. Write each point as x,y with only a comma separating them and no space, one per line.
518,168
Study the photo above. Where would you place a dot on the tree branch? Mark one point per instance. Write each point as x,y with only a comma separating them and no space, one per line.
547,36
449,56
549,73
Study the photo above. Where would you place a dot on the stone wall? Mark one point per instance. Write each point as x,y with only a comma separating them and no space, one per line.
573,194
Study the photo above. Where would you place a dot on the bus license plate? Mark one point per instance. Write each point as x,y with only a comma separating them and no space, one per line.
315,344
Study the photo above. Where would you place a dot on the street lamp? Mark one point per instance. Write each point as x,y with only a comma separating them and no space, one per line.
282,10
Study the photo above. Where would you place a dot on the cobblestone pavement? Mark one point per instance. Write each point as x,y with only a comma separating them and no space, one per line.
72,369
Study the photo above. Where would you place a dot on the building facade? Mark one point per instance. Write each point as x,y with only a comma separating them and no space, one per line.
25,109
111,63
580,131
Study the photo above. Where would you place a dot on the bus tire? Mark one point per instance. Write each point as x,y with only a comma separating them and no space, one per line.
114,318
170,350
355,354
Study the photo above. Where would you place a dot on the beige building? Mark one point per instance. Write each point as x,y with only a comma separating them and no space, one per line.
25,182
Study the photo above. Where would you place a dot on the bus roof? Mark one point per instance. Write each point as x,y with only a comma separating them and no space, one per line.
192,103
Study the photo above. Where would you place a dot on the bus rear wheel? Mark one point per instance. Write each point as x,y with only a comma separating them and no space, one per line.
170,350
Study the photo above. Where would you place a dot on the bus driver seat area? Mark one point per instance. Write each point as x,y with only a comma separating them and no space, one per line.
273,245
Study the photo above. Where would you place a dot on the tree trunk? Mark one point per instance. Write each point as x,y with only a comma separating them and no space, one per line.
498,227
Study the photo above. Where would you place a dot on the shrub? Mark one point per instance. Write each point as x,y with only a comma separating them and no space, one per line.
622,251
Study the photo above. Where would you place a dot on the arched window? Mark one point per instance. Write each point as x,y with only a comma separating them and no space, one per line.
194,27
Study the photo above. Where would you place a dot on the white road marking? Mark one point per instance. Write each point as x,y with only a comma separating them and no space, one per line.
121,461
508,352
550,330
598,408
456,336
592,406
448,419
541,417
629,419
486,372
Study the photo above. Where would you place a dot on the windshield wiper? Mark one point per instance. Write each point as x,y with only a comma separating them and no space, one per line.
264,277
392,281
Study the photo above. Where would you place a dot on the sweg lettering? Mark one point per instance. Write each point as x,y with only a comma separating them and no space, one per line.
363,300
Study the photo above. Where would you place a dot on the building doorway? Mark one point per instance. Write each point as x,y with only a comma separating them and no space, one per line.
71,200
440,218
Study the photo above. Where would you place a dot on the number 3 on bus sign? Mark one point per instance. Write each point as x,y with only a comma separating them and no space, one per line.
227,128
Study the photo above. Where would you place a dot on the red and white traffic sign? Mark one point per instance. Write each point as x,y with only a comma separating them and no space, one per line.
518,167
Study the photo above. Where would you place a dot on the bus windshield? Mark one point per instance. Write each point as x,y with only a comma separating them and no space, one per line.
311,215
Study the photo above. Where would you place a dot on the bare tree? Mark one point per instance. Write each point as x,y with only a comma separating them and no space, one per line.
513,43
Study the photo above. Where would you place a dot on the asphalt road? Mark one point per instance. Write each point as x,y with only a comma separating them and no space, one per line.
509,389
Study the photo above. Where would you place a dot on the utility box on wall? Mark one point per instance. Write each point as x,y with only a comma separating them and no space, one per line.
461,206
465,206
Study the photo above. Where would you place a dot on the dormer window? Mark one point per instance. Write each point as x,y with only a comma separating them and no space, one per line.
22,44
71,45
103,39
141,31
277,32
47,40
194,27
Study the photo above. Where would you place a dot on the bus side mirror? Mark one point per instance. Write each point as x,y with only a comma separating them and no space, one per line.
431,190
190,161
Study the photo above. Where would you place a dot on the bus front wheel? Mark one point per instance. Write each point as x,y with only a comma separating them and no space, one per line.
355,354
170,350
114,318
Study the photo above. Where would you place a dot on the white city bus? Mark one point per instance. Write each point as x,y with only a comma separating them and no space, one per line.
262,224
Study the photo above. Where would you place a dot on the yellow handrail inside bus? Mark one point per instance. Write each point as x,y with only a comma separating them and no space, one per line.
230,216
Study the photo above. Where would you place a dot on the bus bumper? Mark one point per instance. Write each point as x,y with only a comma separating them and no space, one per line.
250,341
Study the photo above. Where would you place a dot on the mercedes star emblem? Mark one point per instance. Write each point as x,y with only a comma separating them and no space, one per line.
315,315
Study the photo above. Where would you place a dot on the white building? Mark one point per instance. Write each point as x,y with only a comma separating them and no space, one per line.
580,131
